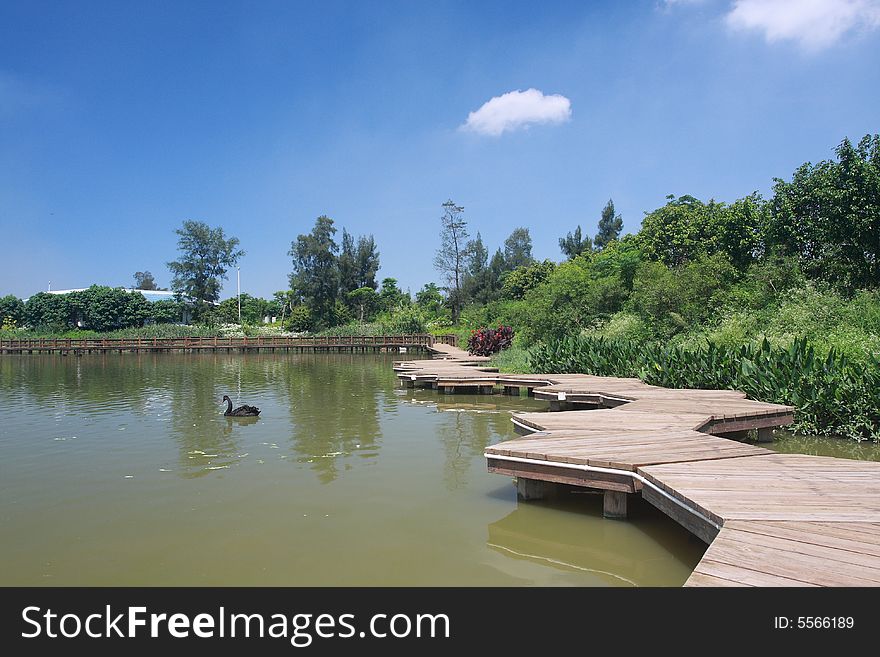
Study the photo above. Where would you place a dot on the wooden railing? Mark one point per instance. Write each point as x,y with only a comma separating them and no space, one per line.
450,339
267,341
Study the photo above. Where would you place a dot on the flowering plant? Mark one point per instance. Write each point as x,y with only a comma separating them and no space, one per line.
488,341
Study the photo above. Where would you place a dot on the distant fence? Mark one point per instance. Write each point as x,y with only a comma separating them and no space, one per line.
270,342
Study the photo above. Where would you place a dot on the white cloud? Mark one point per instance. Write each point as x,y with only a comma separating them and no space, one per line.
814,24
518,109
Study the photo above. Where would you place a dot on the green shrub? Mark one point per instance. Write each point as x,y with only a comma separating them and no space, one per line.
12,309
300,319
409,319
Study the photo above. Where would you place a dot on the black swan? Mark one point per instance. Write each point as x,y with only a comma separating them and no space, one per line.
241,411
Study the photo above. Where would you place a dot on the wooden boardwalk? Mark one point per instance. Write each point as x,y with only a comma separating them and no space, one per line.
416,341
769,519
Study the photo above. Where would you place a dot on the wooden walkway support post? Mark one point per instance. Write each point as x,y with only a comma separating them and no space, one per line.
614,504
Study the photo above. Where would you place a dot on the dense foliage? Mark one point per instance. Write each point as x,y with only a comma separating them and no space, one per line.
97,308
828,216
12,311
326,283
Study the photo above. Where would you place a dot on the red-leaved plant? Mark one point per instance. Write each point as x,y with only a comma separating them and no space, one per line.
488,341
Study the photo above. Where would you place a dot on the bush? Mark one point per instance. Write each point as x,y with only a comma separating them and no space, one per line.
522,279
300,319
409,319
486,341
50,311
166,311
11,311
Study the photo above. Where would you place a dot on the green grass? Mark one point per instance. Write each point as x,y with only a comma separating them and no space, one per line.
514,360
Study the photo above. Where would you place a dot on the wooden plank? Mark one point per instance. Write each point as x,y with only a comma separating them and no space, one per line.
701,579
866,565
745,576
697,526
727,549
583,478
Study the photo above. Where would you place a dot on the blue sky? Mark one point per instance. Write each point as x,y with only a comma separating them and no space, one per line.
120,120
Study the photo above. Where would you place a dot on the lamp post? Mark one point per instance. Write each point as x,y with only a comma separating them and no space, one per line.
238,278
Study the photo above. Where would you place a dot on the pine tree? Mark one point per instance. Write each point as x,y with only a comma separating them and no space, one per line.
610,226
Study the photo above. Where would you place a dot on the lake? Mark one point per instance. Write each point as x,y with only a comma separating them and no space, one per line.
121,470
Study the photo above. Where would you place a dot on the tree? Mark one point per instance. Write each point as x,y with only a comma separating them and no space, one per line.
253,309
366,262
143,280
166,311
451,256
315,276
102,308
52,311
347,264
205,257
392,297
11,310
497,271
430,298
357,265
686,229
364,300
828,216
518,249
610,226
300,319
475,283
521,280
573,244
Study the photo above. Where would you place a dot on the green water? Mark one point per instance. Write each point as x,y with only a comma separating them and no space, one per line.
121,470
844,448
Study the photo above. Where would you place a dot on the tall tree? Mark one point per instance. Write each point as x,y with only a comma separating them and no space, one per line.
358,263
315,275
518,249
477,256
497,271
610,225
451,256
143,280
205,257
575,243
476,277
347,264
366,262
829,216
